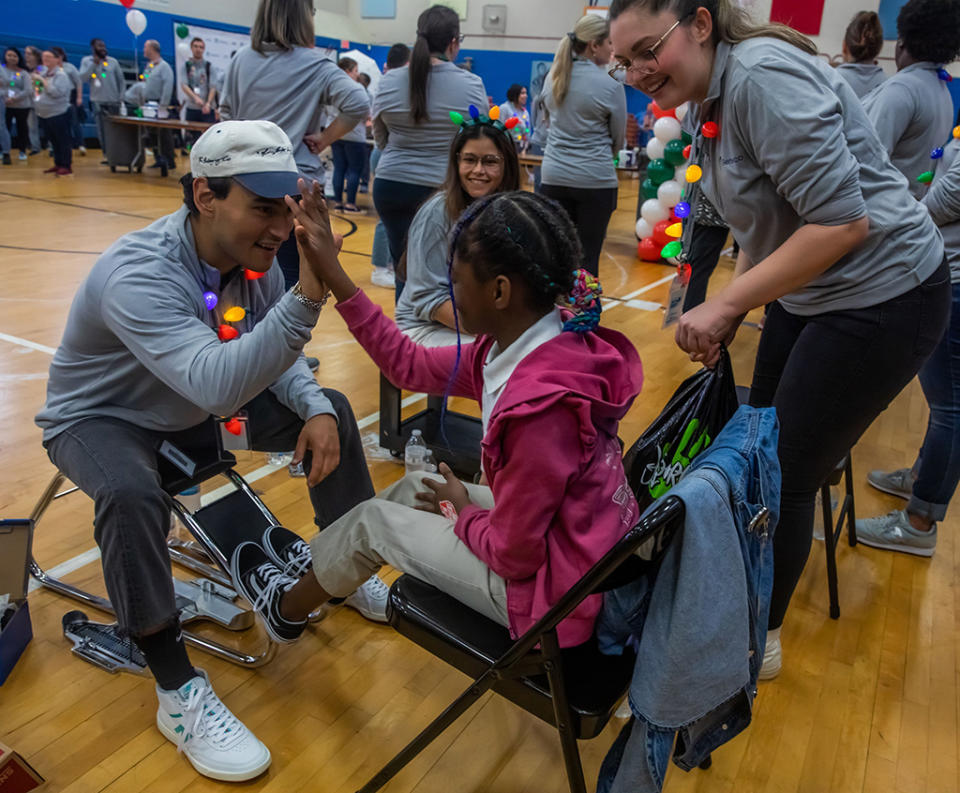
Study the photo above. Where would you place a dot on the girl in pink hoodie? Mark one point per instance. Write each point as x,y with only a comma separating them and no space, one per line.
553,388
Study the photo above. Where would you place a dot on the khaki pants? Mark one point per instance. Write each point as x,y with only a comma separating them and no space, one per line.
388,530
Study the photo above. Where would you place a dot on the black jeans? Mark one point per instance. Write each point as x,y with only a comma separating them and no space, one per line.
196,114
20,116
705,249
397,204
829,376
590,210
57,130
115,463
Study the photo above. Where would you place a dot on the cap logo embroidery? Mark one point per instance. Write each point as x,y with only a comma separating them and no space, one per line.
213,160
266,151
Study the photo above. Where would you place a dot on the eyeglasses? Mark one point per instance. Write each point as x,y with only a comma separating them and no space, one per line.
489,162
461,37
646,62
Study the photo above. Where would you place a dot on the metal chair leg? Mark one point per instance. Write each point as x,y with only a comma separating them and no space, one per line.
562,714
830,541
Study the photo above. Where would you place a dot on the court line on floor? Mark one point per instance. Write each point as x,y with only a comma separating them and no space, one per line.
48,250
27,343
628,298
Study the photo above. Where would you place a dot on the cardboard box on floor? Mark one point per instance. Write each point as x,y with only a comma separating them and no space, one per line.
16,774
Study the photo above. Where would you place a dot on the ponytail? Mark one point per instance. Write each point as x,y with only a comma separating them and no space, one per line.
590,28
436,28
731,23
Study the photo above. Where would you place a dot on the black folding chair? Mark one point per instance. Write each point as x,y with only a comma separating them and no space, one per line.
575,689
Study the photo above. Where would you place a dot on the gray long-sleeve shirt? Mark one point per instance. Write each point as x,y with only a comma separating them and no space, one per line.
18,86
912,113
862,77
586,131
75,82
796,147
291,88
105,79
428,283
54,99
943,202
199,77
418,153
141,346
156,85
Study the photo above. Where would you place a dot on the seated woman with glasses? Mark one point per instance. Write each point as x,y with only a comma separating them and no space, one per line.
483,161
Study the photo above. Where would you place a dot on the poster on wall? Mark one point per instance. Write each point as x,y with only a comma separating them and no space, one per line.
804,16
538,73
219,47
378,9
888,12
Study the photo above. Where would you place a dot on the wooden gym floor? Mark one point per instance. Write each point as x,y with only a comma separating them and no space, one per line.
866,703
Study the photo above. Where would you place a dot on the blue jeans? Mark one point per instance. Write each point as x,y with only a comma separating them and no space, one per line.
348,159
939,468
381,250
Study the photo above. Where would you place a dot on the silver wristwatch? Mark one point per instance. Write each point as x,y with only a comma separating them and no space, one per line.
315,305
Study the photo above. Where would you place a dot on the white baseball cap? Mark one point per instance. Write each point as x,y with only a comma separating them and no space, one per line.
258,154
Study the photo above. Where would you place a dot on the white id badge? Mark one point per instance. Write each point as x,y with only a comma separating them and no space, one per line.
11,93
678,293
97,83
234,435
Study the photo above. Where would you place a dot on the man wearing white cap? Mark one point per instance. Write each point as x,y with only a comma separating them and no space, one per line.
151,350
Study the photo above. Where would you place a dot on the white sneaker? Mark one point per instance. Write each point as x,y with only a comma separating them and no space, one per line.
772,656
215,741
381,276
23,155
83,151
370,599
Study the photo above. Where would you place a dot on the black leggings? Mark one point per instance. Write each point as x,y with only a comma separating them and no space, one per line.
397,204
590,211
829,376
21,116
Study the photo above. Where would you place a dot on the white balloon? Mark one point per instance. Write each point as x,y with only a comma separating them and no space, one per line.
666,129
682,111
184,49
136,21
680,176
653,211
655,149
668,194
644,229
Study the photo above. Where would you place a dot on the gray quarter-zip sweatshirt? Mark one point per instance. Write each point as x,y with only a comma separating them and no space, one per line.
141,346
862,77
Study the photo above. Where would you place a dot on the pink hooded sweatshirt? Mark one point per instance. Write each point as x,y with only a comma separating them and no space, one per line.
550,454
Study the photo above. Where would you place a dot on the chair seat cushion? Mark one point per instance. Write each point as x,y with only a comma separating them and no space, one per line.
471,642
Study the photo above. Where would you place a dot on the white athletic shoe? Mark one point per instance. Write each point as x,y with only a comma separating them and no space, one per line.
772,656
370,599
215,741
382,276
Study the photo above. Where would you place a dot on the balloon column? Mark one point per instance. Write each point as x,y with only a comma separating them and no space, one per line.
663,190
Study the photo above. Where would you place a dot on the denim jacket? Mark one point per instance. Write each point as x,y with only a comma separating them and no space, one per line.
699,624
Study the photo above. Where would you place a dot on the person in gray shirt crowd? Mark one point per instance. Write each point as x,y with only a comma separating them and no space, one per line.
104,76
156,85
76,98
862,43
853,267
586,115
142,361
33,58
482,161
198,83
52,105
411,123
913,111
349,153
281,76
932,481
18,97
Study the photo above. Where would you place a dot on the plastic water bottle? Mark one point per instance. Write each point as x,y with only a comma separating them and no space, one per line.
415,453
279,458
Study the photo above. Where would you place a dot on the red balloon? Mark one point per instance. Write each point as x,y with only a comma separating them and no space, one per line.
659,112
673,219
227,332
686,151
710,129
234,426
252,275
648,250
127,3
660,235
